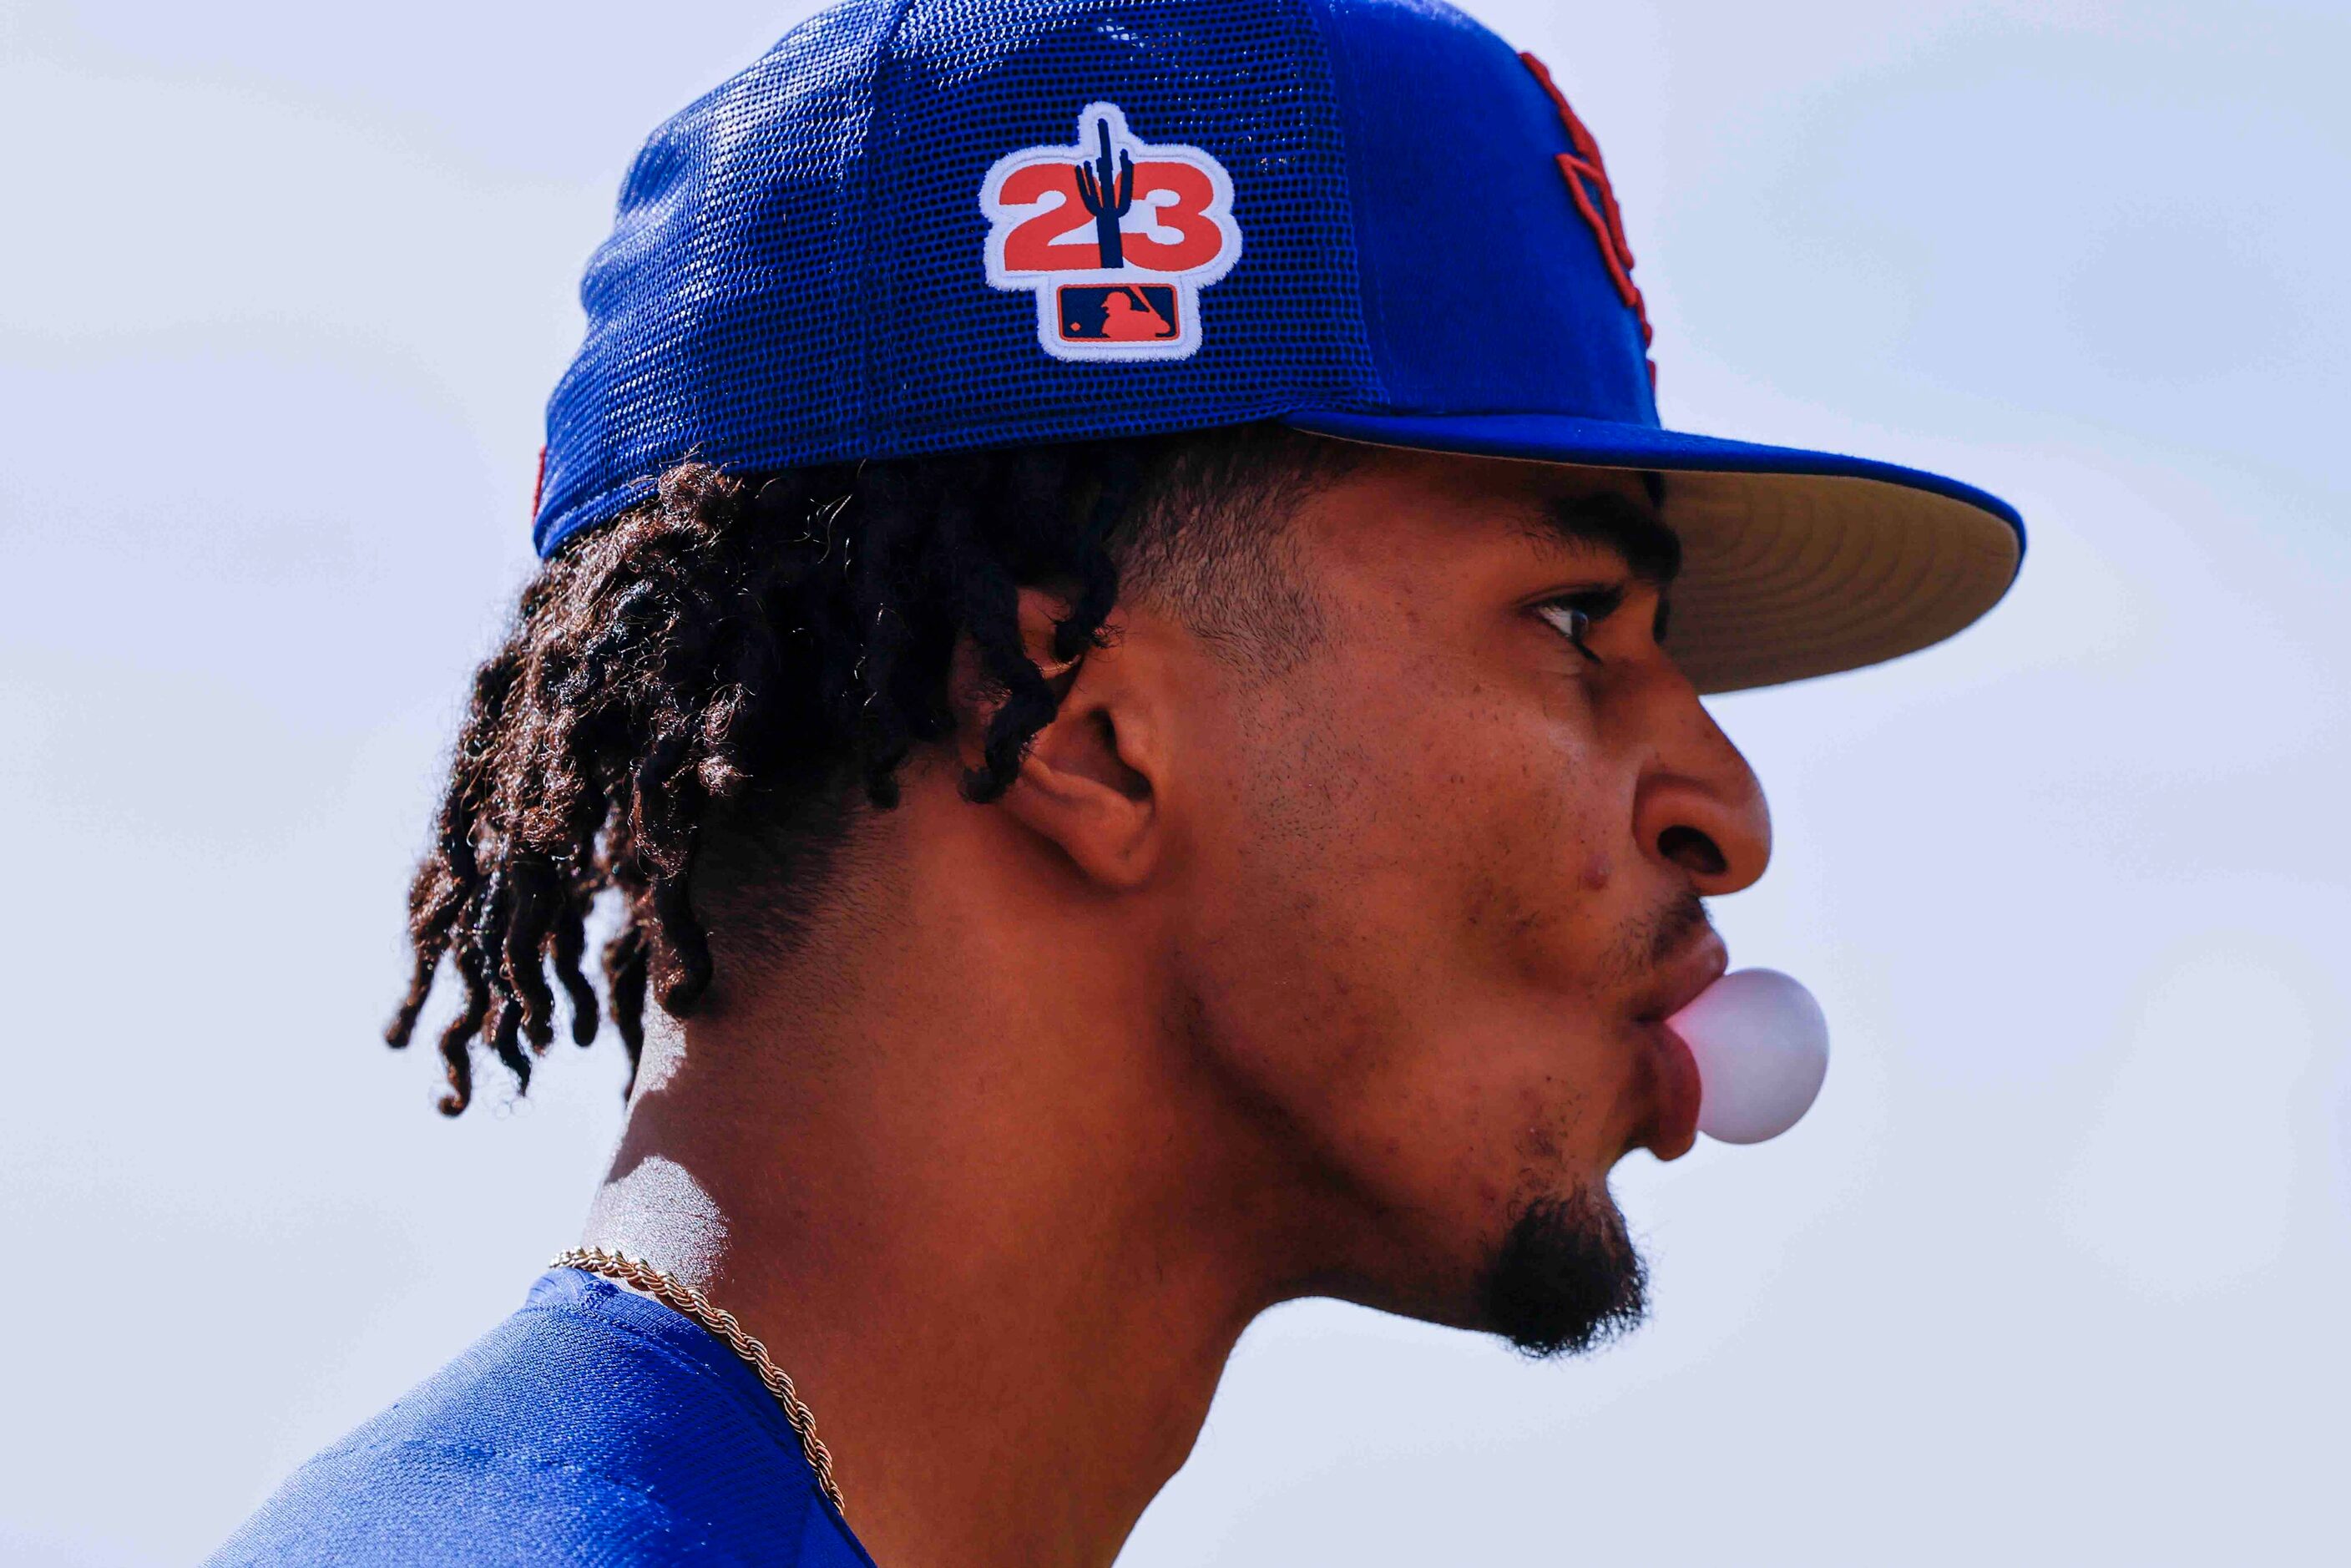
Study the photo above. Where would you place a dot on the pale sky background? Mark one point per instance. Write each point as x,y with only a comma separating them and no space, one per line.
2059,1270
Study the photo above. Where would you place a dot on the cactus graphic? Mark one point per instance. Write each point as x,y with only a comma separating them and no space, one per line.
1108,194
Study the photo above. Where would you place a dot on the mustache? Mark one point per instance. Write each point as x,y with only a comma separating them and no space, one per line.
1654,938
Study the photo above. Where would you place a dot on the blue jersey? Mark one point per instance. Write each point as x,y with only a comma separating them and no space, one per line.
593,1426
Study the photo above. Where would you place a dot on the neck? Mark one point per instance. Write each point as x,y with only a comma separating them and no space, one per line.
1001,1248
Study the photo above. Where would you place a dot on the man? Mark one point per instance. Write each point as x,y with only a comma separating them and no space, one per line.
1115,835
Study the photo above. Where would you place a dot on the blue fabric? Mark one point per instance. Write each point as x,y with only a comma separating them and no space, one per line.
818,262
798,273
1483,289
593,1427
798,270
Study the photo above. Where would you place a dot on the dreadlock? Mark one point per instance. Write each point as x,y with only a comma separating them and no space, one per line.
778,645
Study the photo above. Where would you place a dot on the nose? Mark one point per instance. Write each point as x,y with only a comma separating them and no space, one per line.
1698,804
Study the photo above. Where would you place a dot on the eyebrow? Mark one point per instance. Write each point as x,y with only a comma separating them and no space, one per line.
1652,551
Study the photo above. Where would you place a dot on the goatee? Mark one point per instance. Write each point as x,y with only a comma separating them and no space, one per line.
1568,1278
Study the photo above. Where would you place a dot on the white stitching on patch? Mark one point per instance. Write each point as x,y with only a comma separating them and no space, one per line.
1165,208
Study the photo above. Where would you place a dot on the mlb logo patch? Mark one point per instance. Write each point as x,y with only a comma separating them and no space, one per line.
1119,313
1114,236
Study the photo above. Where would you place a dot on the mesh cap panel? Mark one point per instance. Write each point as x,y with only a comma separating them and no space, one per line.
798,271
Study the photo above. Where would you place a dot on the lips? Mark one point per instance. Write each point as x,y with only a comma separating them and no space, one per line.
1675,1091
1674,1088
1698,964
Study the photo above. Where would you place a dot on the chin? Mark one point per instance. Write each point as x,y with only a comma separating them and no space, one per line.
1566,1278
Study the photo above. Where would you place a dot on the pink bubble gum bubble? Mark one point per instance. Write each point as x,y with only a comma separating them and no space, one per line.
1762,1049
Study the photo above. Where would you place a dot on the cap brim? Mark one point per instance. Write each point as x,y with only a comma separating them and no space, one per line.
1794,563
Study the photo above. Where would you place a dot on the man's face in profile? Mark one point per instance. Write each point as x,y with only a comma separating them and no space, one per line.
1448,868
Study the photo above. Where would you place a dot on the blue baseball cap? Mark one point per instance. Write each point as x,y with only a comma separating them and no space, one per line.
920,226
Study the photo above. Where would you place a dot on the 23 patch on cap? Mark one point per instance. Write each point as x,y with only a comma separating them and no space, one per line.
1115,236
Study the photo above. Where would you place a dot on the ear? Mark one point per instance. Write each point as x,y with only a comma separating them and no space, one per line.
1090,780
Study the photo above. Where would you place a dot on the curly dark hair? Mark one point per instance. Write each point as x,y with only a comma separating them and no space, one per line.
769,650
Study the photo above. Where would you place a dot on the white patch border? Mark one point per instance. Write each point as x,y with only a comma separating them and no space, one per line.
1045,286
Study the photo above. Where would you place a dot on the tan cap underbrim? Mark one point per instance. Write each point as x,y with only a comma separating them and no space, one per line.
1785,577
1794,563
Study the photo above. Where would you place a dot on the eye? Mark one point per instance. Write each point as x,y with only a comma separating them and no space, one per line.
1574,616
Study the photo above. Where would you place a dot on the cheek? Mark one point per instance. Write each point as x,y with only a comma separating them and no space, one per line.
1411,906
1431,826
1542,833
1319,881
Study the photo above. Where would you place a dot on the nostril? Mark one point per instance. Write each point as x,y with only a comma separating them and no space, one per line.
1692,851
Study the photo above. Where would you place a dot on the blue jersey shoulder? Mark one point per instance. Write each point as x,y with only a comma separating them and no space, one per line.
593,1427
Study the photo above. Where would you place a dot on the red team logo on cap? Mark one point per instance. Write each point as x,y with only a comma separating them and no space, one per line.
1114,236
1587,173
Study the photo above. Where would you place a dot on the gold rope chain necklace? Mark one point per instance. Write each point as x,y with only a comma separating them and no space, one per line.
722,1326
